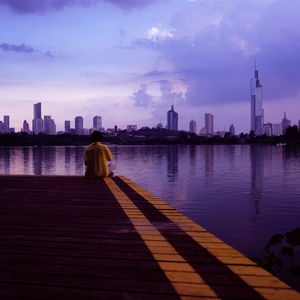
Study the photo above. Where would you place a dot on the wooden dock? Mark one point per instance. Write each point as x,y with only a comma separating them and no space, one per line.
69,237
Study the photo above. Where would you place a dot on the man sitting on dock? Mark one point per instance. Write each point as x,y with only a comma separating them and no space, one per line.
95,157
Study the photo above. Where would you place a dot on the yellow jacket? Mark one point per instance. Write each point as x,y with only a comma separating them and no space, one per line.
95,157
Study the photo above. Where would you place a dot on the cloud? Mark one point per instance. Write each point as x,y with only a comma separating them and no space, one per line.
44,6
215,58
23,48
141,98
156,73
155,34
17,48
129,4
168,97
49,54
41,6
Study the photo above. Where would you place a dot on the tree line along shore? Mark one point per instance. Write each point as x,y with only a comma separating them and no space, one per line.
154,136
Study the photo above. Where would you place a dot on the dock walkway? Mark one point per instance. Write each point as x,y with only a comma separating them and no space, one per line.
69,237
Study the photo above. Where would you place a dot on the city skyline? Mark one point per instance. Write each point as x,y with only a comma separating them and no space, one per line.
48,125
136,58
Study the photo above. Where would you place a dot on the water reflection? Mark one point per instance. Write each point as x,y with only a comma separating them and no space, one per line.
172,162
208,161
79,165
7,160
49,159
25,151
257,174
67,160
37,158
193,160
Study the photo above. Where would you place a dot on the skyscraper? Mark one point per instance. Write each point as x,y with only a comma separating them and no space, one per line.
277,129
67,126
172,119
257,112
232,129
6,124
193,126
25,126
37,110
97,123
285,123
37,122
268,129
209,123
49,125
79,125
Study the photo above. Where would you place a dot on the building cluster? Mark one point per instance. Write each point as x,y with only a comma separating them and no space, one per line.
4,126
257,113
207,130
257,117
47,125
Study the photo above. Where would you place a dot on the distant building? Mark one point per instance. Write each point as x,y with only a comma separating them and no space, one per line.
220,133
79,125
172,119
97,123
232,129
67,126
6,124
257,112
202,131
37,110
277,129
86,131
1,127
49,126
159,125
268,130
131,128
25,127
193,126
285,123
12,130
209,124
37,122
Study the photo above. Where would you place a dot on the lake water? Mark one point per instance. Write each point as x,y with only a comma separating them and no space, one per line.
242,194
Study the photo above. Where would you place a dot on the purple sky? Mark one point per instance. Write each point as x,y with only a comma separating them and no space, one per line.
128,61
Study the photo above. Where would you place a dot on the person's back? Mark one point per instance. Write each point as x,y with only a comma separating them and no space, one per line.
95,157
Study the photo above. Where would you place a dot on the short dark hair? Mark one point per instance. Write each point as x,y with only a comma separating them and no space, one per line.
96,136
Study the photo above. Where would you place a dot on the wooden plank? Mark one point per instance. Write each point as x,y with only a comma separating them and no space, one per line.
76,238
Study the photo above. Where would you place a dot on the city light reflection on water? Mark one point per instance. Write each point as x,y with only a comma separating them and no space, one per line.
242,194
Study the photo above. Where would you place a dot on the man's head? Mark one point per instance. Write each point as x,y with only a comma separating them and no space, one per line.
96,136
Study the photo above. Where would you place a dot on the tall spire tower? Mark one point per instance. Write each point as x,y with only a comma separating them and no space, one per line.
257,112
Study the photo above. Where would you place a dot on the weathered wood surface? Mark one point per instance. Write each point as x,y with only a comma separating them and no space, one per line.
69,237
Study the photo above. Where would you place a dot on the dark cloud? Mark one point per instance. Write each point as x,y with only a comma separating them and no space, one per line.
156,73
141,98
49,54
43,6
17,48
217,61
23,48
128,4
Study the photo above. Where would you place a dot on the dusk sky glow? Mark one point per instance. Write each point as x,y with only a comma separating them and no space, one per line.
129,60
